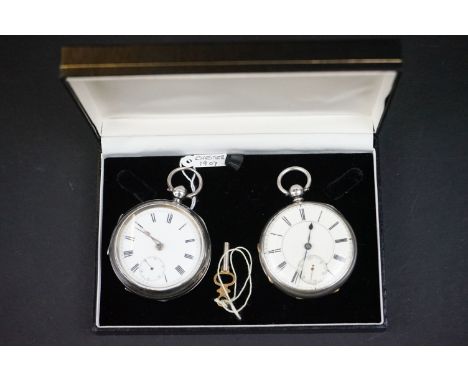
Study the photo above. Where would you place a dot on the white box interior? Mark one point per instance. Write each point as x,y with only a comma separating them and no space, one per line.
246,113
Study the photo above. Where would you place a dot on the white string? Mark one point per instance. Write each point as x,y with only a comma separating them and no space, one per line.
228,303
191,180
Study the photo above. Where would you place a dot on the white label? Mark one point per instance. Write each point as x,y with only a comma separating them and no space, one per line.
204,160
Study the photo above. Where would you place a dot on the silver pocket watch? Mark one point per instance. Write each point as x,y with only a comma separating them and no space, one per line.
161,249
307,249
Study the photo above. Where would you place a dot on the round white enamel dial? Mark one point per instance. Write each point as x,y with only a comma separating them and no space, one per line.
160,249
308,249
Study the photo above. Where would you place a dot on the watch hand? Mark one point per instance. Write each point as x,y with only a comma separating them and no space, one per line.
149,265
311,226
307,247
140,228
303,263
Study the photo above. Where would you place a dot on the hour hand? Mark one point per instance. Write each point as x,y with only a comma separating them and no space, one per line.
140,228
311,227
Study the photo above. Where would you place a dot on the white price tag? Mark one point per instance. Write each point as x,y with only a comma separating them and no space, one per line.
204,160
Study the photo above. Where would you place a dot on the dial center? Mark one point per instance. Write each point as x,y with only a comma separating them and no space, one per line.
296,241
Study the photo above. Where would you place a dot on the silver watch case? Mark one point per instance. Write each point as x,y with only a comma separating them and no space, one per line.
178,290
299,293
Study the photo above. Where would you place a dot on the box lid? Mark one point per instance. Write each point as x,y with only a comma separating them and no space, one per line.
232,97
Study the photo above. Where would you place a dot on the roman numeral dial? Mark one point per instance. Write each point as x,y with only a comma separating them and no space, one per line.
308,249
160,247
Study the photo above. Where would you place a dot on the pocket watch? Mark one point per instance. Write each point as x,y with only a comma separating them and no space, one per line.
307,249
161,249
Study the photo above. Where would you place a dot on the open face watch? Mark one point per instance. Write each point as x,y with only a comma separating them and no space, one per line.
160,249
307,249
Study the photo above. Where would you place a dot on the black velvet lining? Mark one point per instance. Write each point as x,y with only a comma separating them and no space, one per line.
236,205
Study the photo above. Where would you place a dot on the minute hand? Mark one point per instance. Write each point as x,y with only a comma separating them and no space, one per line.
307,246
158,244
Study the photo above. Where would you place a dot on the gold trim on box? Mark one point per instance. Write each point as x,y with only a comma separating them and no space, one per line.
352,61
